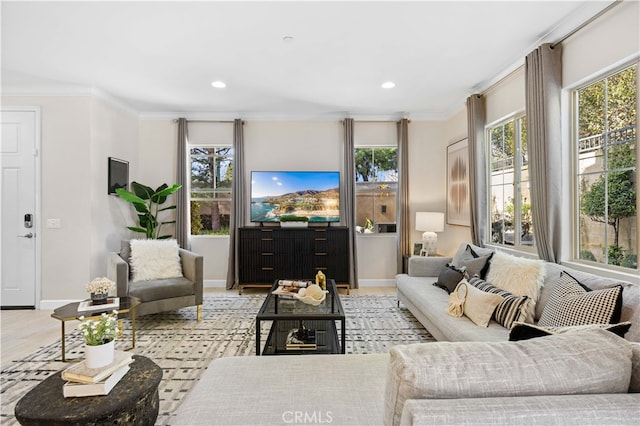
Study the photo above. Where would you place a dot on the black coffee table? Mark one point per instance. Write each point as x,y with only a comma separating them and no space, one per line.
133,401
287,314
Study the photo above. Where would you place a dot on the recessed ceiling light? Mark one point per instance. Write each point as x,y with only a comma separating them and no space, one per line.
388,85
219,84
287,39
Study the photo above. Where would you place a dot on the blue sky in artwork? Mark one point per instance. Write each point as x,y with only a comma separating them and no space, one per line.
265,183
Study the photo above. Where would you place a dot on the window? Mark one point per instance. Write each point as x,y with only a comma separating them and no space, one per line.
606,217
510,197
376,189
211,172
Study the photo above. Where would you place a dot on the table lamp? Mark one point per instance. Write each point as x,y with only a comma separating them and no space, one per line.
430,223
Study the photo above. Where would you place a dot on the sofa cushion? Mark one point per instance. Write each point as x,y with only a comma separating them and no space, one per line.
480,305
148,291
155,259
449,278
524,331
585,362
517,275
511,308
473,262
571,303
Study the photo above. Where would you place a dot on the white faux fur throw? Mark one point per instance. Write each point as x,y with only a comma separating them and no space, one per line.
517,275
155,259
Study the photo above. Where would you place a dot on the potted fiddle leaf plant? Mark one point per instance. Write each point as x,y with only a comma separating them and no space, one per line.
148,204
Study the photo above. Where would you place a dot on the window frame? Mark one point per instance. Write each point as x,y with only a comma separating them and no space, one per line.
575,219
517,245
214,146
375,224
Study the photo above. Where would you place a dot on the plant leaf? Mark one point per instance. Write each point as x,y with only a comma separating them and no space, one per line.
141,190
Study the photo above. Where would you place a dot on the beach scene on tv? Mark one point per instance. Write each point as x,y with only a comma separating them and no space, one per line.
314,195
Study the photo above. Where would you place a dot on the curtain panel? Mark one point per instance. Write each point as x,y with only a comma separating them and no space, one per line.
404,230
238,203
348,207
182,196
543,76
478,190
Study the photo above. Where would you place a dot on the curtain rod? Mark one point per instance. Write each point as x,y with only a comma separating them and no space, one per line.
375,121
587,22
207,121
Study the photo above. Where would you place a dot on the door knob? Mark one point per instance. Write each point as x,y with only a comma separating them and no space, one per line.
29,235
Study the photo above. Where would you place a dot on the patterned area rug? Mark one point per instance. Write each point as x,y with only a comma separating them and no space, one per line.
183,347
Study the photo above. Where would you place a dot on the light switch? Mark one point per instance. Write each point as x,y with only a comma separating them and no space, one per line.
53,224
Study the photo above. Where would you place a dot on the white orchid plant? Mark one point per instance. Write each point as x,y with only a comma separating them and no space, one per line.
100,285
100,331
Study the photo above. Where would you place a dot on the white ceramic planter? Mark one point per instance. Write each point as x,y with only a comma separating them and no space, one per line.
99,356
293,224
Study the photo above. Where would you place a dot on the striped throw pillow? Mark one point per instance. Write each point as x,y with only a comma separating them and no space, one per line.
511,309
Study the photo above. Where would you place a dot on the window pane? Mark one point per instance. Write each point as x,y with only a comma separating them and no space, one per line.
606,177
211,176
376,189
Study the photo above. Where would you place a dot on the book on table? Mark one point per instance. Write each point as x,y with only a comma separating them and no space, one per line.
103,387
88,306
82,374
301,339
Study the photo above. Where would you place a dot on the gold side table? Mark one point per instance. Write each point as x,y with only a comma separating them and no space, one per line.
69,312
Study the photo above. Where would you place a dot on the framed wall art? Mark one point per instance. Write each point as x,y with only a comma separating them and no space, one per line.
458,207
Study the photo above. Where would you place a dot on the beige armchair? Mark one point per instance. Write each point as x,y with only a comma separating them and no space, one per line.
159,295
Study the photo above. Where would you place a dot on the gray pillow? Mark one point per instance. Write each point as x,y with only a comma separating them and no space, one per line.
449,278
474,263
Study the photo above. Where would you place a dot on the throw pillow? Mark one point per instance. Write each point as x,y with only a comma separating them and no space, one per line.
571,303
473,263
517,275
524,331
512,308
449,278
480,305
155,259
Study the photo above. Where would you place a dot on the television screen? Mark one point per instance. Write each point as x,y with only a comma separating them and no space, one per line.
118,175
315,195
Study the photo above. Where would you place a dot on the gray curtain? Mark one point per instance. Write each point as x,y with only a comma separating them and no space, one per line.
402,218
543,73
348,206
237,203
477,168
182,196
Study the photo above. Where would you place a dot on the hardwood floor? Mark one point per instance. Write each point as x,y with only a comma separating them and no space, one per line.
24,331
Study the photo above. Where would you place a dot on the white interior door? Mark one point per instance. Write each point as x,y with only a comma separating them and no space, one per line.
18,182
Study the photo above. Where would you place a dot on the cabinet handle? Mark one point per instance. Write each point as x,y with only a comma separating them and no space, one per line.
267,254
267,239
321,239
266,230
321,268
321,254
267,269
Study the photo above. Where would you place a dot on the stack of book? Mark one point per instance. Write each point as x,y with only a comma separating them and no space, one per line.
287,288
84,381
301,340
88,305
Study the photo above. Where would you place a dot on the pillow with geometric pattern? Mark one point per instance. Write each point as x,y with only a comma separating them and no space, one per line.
572,303
524,331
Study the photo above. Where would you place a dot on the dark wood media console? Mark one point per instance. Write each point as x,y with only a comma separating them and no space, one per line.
270,253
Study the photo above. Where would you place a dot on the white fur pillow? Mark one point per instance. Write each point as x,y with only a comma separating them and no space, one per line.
517,275
155,259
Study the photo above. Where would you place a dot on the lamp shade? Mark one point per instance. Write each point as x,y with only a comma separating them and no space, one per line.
430,221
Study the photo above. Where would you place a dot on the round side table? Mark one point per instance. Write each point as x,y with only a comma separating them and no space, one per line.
133,401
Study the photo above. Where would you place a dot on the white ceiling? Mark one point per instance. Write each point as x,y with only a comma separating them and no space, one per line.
159,58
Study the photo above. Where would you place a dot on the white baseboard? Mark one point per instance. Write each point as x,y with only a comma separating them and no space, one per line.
214,283
377,283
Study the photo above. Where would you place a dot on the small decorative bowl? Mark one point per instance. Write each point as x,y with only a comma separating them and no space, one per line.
310,300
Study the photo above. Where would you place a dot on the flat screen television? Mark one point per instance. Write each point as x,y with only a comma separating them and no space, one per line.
118,175
315,195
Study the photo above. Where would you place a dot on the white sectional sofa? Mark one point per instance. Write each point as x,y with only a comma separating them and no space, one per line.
474,375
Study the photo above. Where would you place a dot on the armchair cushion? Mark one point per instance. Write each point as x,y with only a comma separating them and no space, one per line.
155,259
148,291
